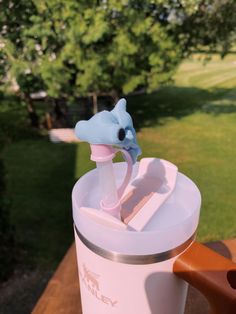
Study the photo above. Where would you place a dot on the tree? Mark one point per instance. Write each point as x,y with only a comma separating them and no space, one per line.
71,48
211,27
14,18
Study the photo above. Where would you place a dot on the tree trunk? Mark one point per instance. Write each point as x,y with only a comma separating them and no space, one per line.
48,120
115,95
34,119
33,116
95,103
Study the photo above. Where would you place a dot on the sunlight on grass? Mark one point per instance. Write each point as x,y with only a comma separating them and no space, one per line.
202,147
192,124
215,73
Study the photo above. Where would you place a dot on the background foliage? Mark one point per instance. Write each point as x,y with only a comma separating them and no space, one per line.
71,48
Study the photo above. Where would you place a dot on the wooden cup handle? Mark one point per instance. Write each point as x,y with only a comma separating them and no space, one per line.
212,274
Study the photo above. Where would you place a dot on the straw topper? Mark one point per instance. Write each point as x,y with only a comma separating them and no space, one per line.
111,128
111,132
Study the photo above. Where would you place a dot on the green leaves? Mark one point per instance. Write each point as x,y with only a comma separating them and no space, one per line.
80,47
90,73
134,82
96,26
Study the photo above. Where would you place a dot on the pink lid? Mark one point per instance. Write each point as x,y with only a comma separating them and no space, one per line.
172,224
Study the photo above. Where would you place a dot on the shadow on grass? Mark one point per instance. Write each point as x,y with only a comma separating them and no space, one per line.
177,102
40,181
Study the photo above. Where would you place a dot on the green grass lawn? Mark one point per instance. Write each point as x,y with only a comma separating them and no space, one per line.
191,123
40,179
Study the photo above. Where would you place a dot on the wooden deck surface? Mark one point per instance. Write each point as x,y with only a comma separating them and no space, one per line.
62,294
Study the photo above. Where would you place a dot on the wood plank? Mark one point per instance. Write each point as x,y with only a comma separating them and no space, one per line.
62,294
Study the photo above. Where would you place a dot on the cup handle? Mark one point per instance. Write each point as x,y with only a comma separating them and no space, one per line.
212,274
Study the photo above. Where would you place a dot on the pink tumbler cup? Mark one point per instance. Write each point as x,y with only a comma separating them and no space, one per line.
125,271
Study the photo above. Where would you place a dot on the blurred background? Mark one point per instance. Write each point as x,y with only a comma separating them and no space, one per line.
61,61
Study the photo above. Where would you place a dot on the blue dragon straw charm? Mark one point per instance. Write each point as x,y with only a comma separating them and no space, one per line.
111,128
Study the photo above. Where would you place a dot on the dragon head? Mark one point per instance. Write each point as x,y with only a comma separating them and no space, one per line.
113,127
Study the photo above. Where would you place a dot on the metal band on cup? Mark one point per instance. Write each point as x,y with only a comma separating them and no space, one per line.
135,259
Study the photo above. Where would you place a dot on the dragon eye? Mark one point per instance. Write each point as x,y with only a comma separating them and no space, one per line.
121,134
